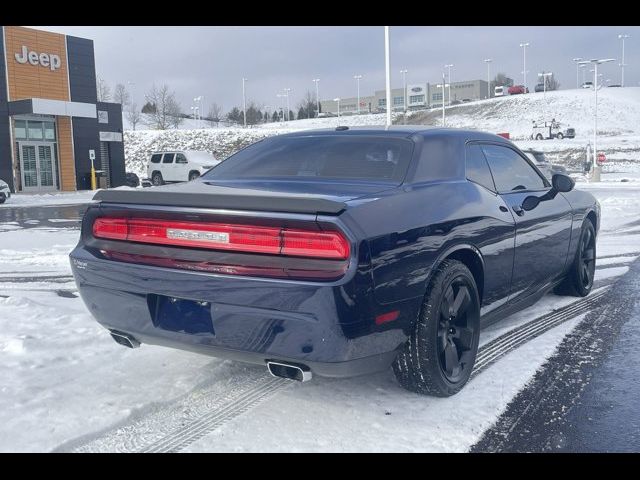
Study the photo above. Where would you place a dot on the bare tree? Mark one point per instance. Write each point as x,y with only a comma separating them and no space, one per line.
215,111
120,94
167,109
103,90
133,115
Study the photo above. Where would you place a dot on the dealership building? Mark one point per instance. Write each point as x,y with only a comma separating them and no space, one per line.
51,125
418,96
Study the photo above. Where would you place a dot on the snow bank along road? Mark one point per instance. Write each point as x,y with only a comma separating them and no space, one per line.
66,386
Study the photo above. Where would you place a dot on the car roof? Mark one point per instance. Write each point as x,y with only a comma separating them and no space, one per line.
402,131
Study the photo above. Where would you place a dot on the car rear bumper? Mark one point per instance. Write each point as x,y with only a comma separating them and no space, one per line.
328,327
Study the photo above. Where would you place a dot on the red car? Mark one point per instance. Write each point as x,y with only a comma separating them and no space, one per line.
518,89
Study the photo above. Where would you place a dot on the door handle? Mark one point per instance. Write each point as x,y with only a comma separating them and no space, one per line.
518,210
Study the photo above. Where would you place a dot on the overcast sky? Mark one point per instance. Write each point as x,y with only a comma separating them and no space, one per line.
211,61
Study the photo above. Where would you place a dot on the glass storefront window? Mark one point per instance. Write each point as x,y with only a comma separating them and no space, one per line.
20,128
35,130
49,131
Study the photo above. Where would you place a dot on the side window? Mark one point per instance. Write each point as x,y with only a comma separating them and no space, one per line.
477,168
155,158
510,171
168,157
180,158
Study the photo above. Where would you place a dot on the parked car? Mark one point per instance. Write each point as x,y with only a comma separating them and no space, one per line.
339,253
615,86
518,90
132,180
466,100
500,91
549,130
5,191
545,166
539,87
179,165
587,85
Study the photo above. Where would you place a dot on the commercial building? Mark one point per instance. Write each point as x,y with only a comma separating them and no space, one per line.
51,124
418,96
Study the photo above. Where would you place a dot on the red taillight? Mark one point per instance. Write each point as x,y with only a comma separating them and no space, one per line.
387,317
221,236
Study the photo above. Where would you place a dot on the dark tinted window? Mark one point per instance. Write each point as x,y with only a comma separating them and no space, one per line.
511,172
168,157
155,158
180,158
477,168
340,157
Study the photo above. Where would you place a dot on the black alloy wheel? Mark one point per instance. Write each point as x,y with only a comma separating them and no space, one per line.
579,280
156,179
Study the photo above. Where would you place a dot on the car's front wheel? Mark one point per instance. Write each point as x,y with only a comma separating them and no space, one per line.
439,356
156,179
559,136
579,279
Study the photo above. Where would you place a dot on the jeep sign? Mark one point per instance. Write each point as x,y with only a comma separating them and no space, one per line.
49,60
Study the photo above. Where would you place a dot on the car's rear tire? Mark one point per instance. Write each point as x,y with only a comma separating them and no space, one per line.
579,279
193,175
439,356
3,198
559,136
156,179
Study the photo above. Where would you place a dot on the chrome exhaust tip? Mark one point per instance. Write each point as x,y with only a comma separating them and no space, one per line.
124,339
299,373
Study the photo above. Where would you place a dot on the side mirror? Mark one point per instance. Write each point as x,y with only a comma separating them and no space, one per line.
530,203
562,183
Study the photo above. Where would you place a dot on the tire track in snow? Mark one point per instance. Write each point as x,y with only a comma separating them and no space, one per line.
174,426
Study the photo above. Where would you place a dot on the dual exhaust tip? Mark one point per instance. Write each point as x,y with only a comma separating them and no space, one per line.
299,373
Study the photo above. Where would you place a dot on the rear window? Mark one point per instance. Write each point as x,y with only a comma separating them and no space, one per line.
155,158
320,157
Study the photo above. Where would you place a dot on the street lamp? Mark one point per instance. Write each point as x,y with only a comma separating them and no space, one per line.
288,109
622,65
197,100
595,62
358,77
443,86
387,74
524,61
577,71
488,62
282,96
338,100
404,83
584,69
316,80
244,103
449,80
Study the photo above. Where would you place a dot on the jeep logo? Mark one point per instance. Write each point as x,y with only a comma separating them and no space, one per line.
45,59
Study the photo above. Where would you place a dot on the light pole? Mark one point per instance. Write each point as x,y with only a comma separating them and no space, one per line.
387,74
197,101
577,71
316,80
622,37
595,62
283,106
449,82
404,83
287,95
443,86
584,69
338,100
524,63
244,103
358,77
488,62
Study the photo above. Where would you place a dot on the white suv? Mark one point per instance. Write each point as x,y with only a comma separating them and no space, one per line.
179,166
5,193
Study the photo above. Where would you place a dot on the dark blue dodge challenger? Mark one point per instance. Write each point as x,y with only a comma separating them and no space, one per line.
339,252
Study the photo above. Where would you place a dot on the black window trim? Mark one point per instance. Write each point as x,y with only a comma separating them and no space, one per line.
172,162
545,182
466,149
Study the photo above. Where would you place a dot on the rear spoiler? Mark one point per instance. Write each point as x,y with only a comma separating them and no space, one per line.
223,198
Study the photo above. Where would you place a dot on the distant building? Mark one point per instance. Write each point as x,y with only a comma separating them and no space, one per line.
418,96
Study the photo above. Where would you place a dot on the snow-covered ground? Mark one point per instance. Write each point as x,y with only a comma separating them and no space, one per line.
65,384
618,127
56,198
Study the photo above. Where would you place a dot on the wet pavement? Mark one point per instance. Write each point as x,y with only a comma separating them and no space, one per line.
52,216
586,398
